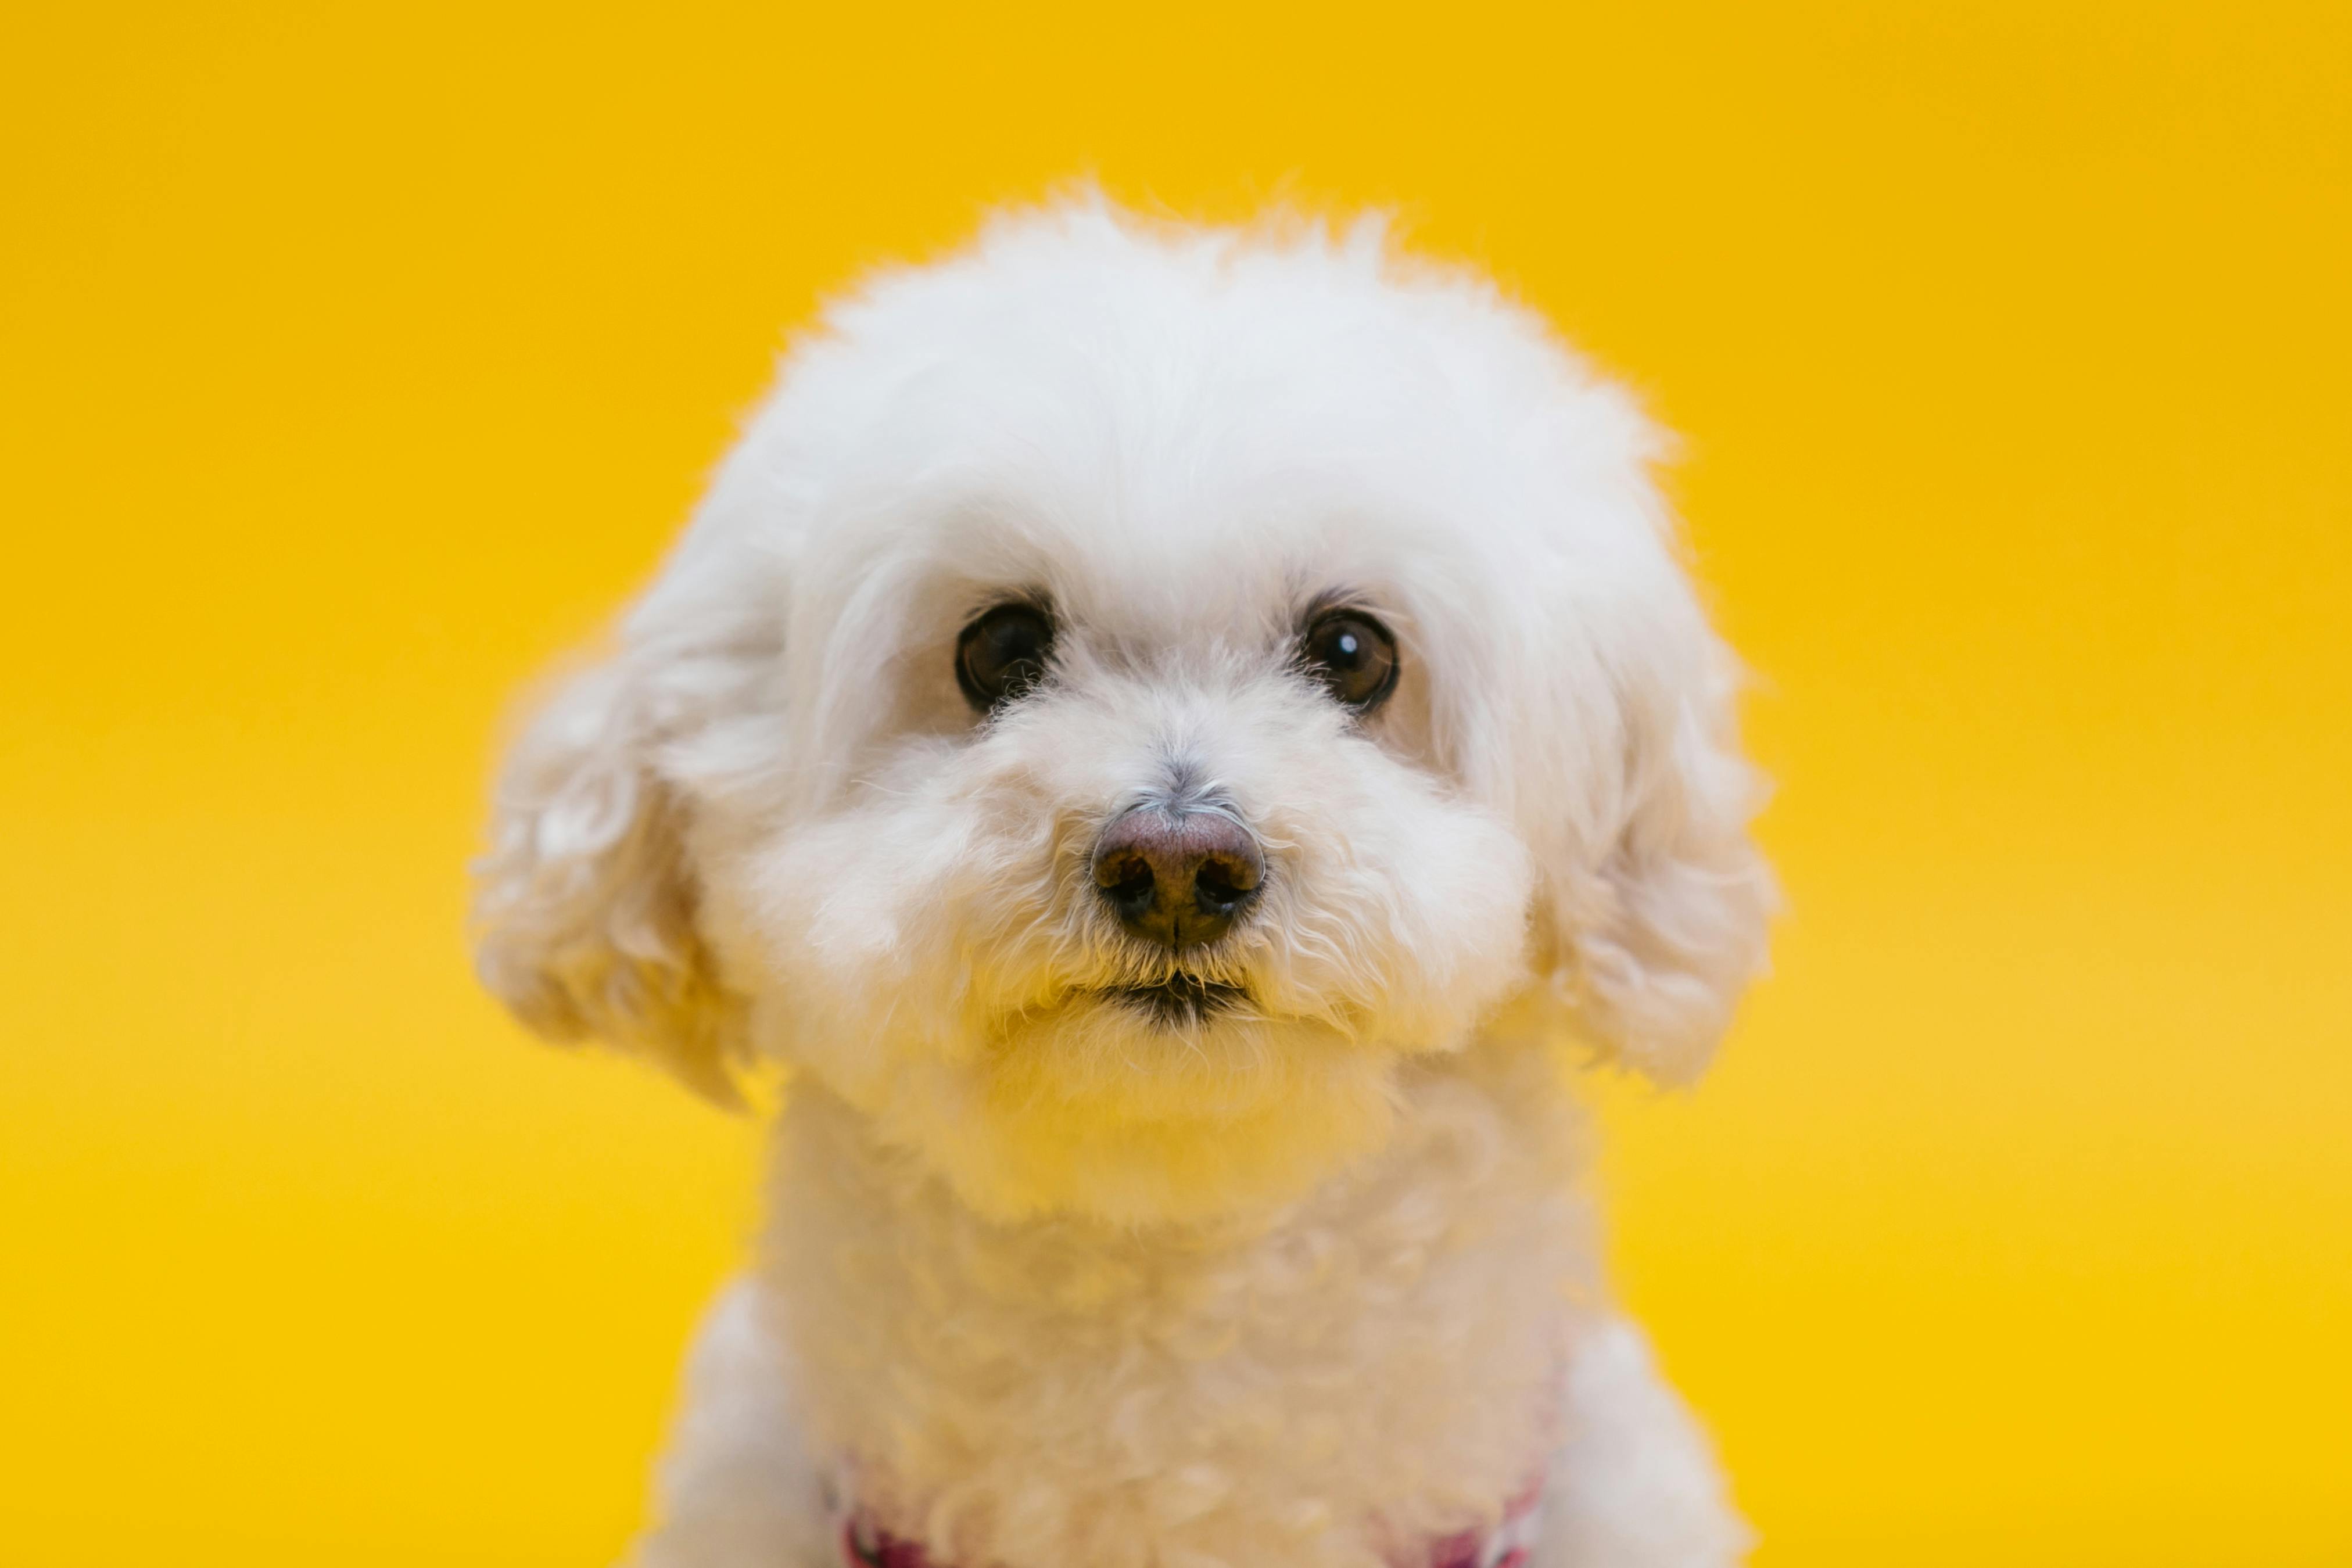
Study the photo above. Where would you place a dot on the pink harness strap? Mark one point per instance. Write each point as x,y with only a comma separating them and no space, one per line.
866,1544
1509,1545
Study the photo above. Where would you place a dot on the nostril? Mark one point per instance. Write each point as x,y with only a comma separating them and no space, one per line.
1128,882
1224,883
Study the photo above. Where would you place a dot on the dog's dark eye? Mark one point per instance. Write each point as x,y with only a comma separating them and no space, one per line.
1002,654
1353,655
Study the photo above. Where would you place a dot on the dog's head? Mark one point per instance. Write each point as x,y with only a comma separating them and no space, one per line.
1126,692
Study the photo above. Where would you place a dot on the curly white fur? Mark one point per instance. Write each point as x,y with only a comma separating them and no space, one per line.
1052,1282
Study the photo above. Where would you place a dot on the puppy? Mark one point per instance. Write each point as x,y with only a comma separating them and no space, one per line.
1176,740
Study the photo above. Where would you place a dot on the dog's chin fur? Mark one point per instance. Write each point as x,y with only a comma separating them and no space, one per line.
771,827
1183,999
1100,1108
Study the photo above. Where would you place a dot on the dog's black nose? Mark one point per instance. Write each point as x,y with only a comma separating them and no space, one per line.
1178,876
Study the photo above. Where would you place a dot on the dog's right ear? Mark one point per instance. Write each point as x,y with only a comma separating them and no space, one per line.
584,907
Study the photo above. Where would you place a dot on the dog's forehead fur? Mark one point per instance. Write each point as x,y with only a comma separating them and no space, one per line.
1178,440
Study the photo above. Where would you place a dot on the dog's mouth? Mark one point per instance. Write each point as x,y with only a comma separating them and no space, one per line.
1181,998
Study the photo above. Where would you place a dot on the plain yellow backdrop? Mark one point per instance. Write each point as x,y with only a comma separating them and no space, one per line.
359,360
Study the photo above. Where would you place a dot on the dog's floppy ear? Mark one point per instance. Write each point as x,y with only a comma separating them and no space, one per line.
1659,924
1632,789
584,907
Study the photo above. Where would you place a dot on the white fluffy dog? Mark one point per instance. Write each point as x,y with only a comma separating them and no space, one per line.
1172,736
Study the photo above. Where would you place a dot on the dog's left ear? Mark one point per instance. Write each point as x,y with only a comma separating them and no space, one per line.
1660,925
1633,791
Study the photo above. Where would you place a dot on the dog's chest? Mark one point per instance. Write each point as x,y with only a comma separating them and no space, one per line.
862,1541
1368,1374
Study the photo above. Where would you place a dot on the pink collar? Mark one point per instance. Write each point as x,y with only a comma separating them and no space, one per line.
1509,1545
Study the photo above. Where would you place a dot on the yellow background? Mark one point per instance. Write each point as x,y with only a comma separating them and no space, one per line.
359,358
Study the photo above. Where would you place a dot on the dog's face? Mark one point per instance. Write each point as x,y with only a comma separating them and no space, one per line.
1125,695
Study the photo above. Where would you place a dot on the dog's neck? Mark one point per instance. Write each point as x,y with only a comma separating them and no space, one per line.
1370,1359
